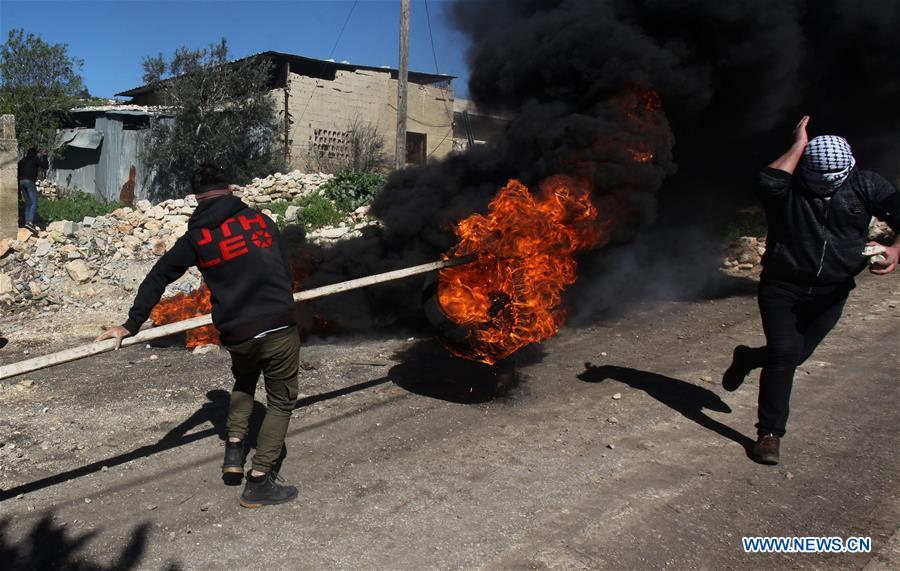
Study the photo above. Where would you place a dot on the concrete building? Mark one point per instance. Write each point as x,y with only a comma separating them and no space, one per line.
471,126
319,101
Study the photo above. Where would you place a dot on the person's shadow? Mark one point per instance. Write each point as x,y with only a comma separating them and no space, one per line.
687,399
215,411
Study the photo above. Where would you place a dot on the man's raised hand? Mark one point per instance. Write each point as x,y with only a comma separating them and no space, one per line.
800,135
118,332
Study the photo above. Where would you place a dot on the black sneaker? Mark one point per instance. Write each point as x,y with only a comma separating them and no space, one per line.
234,458
31,228
743,360
268,491
765,451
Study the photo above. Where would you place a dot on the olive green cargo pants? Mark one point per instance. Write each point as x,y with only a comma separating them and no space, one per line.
277,356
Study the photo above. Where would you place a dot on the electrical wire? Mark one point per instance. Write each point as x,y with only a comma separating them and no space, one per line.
437,72
330,56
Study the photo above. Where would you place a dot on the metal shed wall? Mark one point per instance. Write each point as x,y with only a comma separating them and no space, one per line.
103,171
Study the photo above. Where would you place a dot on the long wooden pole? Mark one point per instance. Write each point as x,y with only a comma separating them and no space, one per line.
98,347
400,156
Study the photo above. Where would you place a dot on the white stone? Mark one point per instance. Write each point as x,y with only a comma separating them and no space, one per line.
143,205
6,284
331,233
204,349
88,221
79,271
42,248
131,242
70,227
291,213
56,226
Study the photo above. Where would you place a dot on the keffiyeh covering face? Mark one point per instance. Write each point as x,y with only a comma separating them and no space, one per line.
826,163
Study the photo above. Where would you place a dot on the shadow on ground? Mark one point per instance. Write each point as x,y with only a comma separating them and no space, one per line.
683,397
49,547
428,369
214,411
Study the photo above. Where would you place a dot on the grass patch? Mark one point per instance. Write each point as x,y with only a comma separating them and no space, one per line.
316,211
73,207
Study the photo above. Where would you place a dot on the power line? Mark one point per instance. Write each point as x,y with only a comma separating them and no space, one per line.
330,56
437,72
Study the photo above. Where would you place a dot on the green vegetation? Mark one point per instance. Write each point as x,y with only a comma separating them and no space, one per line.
39,83
334,202
351,189
746,222
73,207
316,211
223,114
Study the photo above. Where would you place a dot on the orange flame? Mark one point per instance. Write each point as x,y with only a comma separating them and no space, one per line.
524,256
185,306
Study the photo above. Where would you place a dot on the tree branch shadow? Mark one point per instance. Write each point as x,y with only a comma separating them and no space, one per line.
48,547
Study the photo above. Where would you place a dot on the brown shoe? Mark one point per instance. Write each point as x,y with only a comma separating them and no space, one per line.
765,451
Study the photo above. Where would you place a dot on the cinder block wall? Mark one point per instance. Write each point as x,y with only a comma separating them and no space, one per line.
322,109
9,184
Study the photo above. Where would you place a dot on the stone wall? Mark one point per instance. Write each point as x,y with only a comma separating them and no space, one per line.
9,185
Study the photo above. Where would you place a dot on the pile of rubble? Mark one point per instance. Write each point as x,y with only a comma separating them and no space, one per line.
746,253
118,248
279,186
48,189
61,263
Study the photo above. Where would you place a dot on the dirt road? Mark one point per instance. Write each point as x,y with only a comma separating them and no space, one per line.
614,448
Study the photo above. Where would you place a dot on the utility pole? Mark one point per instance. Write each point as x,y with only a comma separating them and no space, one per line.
400,157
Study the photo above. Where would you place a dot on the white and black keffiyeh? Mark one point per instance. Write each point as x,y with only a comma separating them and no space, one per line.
826,163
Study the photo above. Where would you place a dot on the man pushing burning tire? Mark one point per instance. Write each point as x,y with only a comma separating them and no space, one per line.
818,205
245,264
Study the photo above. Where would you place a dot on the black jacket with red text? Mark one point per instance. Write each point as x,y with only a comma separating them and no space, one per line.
244,261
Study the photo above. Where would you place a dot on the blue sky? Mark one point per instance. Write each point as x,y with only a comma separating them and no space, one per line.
113,36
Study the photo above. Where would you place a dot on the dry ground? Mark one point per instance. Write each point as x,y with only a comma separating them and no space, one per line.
408,459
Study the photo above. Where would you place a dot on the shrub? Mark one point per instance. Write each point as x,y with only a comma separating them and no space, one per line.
74,206
351,189
316,211
747,222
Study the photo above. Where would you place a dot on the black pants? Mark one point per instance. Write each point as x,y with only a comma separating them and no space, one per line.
794,322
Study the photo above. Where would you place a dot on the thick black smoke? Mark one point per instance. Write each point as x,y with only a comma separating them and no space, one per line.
733,78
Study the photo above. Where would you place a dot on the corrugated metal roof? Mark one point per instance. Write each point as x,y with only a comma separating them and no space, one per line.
414,76
80,137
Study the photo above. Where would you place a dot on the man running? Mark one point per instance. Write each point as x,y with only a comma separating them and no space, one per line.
818,205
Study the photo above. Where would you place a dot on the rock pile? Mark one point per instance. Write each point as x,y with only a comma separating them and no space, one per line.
69,260
281,186
744,254
118,248
48,189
